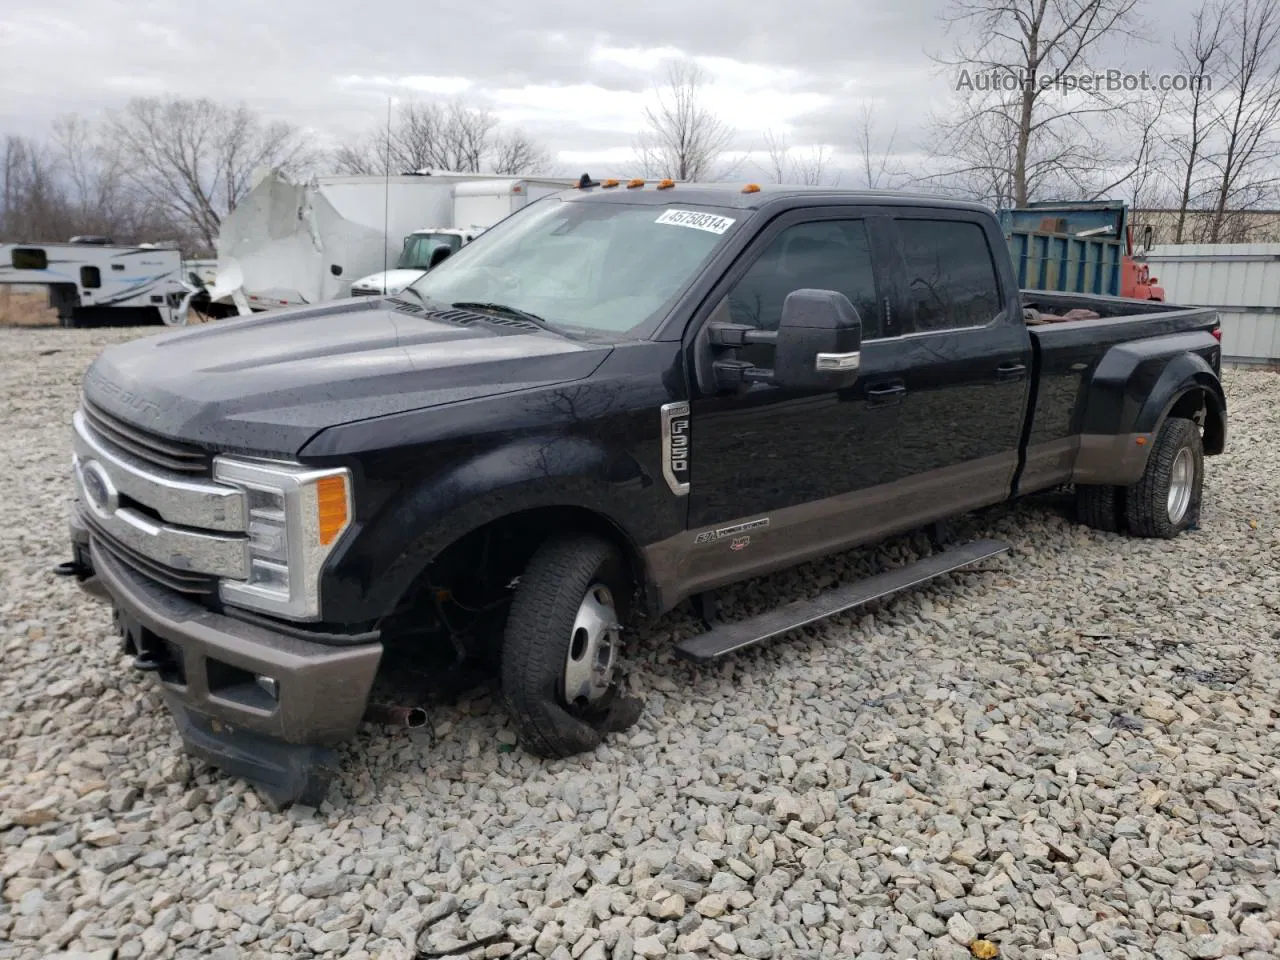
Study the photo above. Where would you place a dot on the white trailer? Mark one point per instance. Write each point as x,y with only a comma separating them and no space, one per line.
206,270
477,206
92,283
287,244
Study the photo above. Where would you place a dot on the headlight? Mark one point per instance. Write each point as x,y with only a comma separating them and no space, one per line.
296,515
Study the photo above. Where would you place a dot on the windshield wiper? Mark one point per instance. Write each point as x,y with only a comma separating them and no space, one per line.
507,309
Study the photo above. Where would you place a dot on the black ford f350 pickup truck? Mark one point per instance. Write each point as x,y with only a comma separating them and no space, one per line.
618,399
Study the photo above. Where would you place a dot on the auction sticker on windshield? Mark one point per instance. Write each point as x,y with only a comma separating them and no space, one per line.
710,222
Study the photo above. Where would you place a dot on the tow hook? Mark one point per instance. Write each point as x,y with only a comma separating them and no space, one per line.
73,568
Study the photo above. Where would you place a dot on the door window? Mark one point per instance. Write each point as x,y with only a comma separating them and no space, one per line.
951,277
826,255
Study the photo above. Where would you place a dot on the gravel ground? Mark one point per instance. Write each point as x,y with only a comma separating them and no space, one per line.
1073,751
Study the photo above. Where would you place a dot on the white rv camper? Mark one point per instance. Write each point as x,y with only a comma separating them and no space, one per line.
93,284
287,244
477,206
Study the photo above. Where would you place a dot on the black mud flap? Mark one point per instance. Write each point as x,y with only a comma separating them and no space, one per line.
282,773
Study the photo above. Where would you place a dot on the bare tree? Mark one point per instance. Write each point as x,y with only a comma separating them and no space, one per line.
419,139
12,192
784,164
1198,57
99,199
778,150
515,153
35,207
53,191
434,135
358,158
196,158
875,168
978,158
812,167
1025,49
468,132
1145,170
682,138
1247,112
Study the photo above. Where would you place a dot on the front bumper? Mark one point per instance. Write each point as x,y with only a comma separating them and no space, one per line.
207,665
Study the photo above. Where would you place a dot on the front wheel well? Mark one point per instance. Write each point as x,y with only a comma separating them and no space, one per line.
524,531
465,588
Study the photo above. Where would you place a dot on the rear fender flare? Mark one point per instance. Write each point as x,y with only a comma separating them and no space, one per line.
1185,374
1123,414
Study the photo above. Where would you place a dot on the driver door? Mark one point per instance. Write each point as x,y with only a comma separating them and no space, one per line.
775,471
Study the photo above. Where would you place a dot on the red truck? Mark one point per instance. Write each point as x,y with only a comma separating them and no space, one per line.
1078,247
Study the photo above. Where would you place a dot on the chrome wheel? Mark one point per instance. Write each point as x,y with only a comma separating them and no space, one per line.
1181,482
593,647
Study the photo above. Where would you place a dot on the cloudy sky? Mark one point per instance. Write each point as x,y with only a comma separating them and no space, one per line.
574,75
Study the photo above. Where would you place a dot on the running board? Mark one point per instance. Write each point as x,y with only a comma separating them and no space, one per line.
730,637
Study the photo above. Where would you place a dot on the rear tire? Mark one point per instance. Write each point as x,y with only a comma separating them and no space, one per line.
569,581
1166,500
1099,507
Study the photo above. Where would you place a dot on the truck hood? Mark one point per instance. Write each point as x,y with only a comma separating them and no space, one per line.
268,383
394,280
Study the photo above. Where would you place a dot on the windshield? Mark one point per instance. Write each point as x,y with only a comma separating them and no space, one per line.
605,267
418,248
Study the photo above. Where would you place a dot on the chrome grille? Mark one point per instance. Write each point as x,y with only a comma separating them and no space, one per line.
174,455
179,581
179,530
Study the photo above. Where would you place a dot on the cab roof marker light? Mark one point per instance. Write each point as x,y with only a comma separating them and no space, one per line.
609,183
637,182
666,184
751,188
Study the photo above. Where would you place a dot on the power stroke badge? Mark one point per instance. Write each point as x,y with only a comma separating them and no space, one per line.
736,531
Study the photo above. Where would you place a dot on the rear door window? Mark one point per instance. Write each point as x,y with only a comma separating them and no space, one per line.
951,280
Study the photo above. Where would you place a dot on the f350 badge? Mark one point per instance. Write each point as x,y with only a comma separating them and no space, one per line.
675,447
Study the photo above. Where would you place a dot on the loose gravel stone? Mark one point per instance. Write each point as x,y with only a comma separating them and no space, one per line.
1071,751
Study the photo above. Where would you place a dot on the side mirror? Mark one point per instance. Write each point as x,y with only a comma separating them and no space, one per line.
335,269
1146,238
819,345
438,255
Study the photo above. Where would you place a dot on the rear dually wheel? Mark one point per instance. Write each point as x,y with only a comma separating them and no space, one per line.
1166,500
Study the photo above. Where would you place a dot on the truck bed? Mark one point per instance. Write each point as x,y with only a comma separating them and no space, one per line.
1117,320
1093,374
